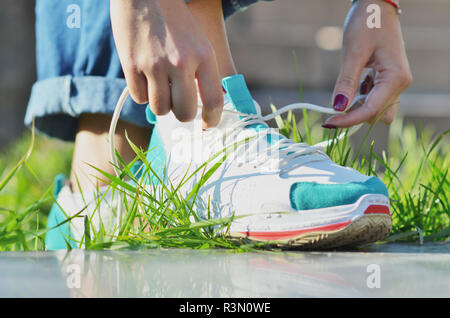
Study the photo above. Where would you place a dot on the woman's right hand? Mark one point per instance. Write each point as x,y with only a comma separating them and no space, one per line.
163,50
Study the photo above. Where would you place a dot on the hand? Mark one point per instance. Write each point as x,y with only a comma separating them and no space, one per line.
383,51
163,50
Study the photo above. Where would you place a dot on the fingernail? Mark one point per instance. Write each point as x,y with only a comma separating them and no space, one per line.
364,89
340,102
329,126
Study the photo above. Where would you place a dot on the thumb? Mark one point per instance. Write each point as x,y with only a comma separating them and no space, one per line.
347,82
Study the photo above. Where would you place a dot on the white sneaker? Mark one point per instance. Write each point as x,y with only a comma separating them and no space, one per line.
293,194
98,205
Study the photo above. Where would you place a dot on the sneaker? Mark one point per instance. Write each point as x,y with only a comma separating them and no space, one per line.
286,193
66,220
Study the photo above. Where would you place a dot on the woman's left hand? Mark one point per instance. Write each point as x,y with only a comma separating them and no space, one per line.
380,49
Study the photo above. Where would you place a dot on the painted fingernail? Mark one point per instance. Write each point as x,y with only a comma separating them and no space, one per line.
340,102
329,126
364,88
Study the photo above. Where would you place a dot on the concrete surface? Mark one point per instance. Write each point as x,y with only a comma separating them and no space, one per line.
389,270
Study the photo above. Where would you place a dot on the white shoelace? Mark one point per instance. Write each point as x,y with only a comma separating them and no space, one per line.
286,149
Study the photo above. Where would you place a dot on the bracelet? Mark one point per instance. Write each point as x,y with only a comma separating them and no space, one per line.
397,6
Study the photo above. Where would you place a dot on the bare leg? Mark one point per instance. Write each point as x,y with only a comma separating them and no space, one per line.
92,148
91,143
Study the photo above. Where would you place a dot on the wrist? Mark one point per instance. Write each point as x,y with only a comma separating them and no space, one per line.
393,3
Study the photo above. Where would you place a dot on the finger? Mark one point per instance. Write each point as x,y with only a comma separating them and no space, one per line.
389,116
184,96
377,103
159,93
348,81
137,85
210,90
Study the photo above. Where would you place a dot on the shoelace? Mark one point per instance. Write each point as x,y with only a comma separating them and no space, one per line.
281,153
286,149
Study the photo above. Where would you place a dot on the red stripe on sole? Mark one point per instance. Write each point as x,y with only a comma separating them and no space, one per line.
270,236
273,236
379,209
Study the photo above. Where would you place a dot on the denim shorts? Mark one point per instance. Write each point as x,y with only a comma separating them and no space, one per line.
78,69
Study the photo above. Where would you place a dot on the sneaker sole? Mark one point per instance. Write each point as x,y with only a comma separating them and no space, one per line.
375,224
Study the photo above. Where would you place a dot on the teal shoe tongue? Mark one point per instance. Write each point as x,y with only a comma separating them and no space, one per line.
238,94
242,101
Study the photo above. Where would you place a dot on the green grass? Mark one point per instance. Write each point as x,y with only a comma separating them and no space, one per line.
27,197
416,173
